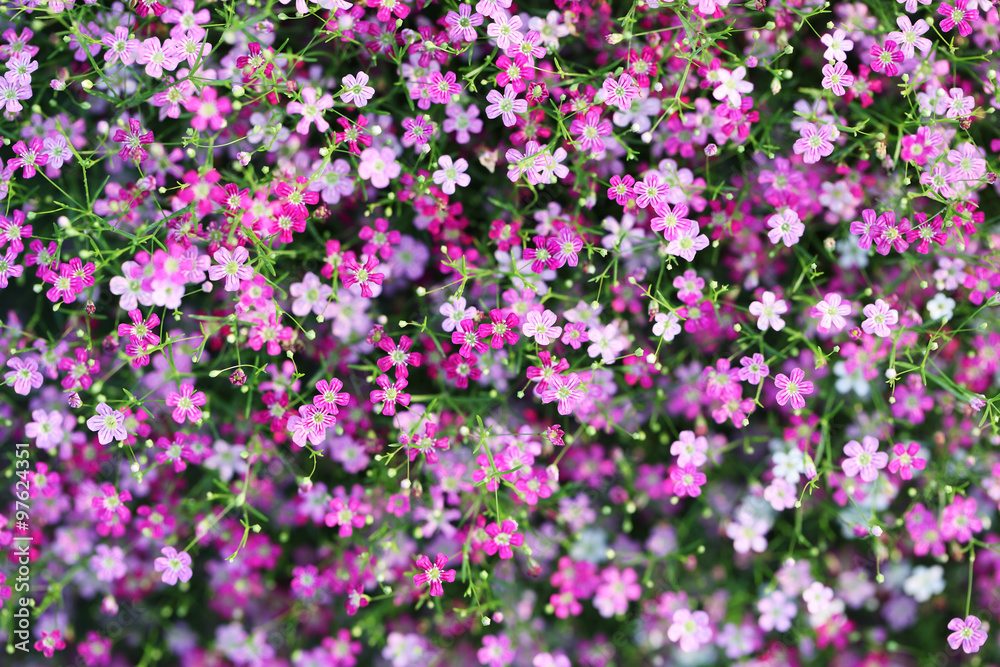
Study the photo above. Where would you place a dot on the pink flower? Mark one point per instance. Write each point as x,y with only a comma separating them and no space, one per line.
186,403
753,369
687,480
793,388
880,318
617,588
690,630
967,633
768,312
864,459
379,166
786,227
688,242
496,651
832,310
109,424
158,57
837,78
120,47
590,129
650,191
502,538
690,450
621,93
816,142
175,566
231,266
671,222
505,105
25,375
433,573
356,90
566,390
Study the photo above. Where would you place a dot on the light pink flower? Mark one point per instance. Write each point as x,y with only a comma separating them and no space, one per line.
864,459
880,318
109,424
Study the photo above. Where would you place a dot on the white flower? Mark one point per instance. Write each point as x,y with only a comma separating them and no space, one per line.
941,306
851,381
925,582
789,465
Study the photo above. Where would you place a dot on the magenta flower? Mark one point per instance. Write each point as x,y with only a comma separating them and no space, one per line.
347,515
140,332
390,394
864,459
467,336
502,538
175,566
398,356
500,329
364,275
886,59
231,266
29,157
433,573
958,14
51,642
687,480
966,634
109,424
186,404
793,388
906,460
